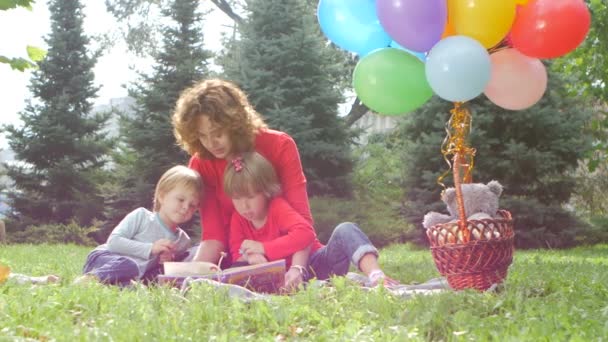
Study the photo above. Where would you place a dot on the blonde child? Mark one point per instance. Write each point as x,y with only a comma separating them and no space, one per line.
264,227
145,239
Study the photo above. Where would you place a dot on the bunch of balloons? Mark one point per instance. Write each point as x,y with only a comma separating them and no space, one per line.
410,49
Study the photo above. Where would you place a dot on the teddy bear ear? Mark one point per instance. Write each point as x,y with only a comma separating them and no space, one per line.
495,187
448,195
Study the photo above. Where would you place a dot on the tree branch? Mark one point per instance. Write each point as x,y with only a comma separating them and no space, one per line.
225,7
357,110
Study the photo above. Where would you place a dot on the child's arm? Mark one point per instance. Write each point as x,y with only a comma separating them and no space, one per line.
298,270
237,237
122,241
296,232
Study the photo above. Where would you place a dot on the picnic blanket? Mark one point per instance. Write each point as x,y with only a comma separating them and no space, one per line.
432,286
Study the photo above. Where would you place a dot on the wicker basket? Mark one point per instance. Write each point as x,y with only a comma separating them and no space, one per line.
475,257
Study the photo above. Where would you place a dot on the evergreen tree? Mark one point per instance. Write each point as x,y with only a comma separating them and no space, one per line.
60,148
284,64
531,152
148,147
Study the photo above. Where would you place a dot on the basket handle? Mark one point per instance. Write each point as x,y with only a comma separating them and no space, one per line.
462,219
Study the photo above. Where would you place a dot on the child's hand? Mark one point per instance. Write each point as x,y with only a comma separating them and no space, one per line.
165,256
255,258
293,279
251,247
162,246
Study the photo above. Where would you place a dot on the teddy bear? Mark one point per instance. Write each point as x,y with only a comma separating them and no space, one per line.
480,202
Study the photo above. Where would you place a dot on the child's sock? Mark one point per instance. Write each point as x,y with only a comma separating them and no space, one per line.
375,276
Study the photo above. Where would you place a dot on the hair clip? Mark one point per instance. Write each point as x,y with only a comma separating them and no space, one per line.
237,163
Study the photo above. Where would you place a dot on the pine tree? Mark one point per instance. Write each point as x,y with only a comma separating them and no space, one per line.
60,148
283,63
531,152
148,147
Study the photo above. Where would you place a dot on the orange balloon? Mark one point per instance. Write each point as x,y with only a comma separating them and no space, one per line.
448,31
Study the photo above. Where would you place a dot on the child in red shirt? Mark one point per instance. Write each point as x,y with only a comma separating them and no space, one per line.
264,227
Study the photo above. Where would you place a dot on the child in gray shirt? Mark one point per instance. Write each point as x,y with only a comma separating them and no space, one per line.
145,239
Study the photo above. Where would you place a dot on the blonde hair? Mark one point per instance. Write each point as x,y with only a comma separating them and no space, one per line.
177,176
251,173
226,105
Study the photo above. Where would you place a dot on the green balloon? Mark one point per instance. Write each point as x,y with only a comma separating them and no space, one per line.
391,81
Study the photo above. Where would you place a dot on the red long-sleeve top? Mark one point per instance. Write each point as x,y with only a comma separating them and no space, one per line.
216,208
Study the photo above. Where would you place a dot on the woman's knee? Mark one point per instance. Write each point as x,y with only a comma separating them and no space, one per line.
345,229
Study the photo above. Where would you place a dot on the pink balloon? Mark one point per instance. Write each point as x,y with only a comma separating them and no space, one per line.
516,81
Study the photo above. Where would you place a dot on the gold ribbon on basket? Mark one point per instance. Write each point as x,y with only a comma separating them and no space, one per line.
456,147
456,142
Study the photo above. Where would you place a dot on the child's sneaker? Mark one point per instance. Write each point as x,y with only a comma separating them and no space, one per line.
385,281
378,277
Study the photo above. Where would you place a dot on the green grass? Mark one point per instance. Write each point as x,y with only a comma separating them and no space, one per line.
548,296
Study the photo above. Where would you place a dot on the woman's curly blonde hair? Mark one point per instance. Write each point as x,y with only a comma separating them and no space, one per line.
226,105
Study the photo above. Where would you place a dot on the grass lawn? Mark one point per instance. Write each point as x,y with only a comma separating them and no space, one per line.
548,296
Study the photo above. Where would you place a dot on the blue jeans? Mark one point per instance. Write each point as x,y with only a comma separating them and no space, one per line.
347,244
115,269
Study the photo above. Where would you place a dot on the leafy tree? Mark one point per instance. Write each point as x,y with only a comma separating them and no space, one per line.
531,152
589,62
139,34
283,63
60,148
148,146
35,54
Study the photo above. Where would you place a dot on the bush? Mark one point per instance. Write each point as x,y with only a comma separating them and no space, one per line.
544,226
380,222
597,231
56,233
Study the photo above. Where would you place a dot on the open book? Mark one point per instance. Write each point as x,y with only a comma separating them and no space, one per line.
267,277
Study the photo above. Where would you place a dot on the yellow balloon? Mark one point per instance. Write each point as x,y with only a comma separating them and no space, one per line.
521,2
487,21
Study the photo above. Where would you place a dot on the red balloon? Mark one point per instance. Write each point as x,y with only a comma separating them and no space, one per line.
550,28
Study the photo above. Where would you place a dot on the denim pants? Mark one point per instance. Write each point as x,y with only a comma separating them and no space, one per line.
115,269
347,244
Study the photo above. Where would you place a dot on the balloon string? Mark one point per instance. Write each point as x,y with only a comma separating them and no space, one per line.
455,143
503,44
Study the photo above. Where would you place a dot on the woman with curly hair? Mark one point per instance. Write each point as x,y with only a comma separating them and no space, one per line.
214,122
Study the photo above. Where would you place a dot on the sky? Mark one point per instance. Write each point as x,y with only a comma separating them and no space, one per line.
20,27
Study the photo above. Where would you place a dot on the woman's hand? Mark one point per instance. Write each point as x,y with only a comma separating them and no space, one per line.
252,247
293,279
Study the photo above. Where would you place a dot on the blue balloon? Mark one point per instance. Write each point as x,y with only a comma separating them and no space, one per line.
421,55
458,68
353,25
